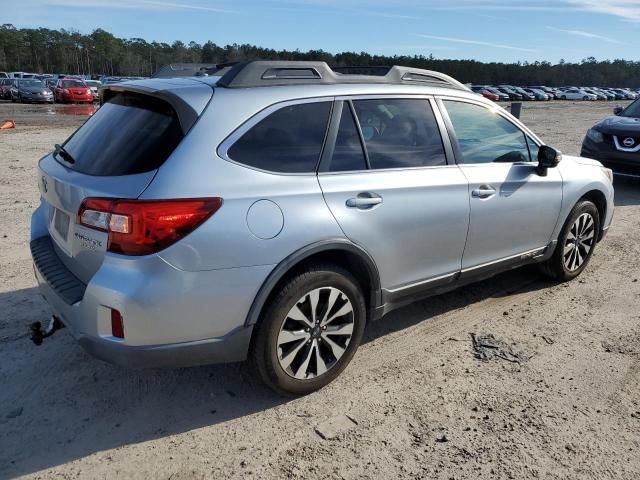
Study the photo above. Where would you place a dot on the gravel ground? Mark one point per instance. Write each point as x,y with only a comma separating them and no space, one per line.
414,403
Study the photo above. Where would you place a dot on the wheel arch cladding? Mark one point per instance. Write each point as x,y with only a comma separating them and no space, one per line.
600,201
339,252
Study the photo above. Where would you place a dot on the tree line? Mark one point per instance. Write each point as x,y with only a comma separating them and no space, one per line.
42,50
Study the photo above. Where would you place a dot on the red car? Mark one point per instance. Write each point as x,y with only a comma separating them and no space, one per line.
485,93
72,90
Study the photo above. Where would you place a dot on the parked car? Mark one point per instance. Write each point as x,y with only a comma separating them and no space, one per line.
94,85
538,94
29,90
72,90
606,94
592,91
5,87
50,83
216,227
615,141
576,94
548,90
513,95
626,95
525,95
485,93
503,97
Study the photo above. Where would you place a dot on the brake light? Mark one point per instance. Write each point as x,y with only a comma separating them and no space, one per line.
142,227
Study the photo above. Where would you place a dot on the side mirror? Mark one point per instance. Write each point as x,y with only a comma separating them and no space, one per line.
548,157
618,110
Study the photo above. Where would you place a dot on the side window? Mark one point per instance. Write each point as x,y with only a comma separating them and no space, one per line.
484,136
348,154
289,140
400,133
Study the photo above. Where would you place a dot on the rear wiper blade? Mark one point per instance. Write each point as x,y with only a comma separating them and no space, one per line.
60,150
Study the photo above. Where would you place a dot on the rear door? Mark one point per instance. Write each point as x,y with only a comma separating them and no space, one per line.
514,210
385,178
114,154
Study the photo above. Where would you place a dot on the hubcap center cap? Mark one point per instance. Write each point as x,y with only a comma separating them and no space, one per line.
315,332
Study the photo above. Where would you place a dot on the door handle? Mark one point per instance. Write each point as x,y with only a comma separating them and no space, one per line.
483,191
364,201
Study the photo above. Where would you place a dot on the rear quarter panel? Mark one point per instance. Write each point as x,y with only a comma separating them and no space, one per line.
225,240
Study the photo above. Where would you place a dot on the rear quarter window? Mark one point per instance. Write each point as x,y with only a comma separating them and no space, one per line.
289,140
129,134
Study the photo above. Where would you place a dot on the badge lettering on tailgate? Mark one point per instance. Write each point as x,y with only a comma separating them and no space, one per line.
87,242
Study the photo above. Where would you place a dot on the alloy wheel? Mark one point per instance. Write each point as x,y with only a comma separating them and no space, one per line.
579,242
315,333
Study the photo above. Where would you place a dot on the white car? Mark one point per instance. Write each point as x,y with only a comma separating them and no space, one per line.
576,94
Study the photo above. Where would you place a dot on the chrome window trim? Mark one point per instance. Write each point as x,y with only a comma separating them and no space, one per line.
497,109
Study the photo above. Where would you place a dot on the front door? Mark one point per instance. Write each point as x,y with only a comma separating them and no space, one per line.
514,210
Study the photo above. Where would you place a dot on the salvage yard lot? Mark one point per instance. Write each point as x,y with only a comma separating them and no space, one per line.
414,403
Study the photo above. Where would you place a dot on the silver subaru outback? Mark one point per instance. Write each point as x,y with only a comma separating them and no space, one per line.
270,211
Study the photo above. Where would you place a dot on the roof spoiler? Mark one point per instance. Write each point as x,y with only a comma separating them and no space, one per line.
265,73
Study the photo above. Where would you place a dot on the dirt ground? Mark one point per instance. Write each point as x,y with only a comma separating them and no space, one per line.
414,403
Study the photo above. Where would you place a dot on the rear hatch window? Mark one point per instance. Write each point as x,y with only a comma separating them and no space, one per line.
129,134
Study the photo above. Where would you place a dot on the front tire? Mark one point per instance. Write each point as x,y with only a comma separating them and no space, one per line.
576,243
310,331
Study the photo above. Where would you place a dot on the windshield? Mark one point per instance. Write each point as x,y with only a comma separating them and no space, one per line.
632,110
129,134
92,83
30,83
73,84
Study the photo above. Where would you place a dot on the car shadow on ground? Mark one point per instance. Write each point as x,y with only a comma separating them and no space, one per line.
59,404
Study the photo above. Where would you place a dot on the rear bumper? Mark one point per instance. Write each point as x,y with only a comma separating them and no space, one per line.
233,347
172,318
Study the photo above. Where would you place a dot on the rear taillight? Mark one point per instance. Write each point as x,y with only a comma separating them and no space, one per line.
141,227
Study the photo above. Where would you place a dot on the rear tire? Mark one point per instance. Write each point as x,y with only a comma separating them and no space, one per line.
297,349
576,243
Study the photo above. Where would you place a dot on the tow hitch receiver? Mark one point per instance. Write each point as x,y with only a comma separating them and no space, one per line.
37,335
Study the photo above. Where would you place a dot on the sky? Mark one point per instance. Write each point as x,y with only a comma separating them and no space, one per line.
485,30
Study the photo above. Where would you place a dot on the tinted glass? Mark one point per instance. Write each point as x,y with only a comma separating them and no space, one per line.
31,83
632,110
289,140
73,84
484,136
348,153
128,134
400,133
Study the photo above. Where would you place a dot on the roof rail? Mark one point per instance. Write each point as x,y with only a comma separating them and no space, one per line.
266,73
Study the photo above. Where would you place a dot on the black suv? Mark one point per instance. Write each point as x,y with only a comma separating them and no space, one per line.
615,141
